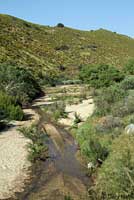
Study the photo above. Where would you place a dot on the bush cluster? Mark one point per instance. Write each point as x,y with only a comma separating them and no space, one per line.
103,135
107,98
37,148
116,176
19,83
90,143
99,76
9,108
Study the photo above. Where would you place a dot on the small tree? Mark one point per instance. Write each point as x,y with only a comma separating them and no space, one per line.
60,25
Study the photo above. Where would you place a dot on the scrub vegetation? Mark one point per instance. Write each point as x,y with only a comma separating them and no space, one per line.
32,56
54,54
17,89
103,139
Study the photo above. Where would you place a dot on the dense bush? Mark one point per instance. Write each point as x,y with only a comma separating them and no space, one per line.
100,75
90,143
128,83
124,108
18,82
129,67
116,177
9,109
107,97
52,78
93,149
60,25
103,138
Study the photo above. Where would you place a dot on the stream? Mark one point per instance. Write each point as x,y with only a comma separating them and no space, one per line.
62,175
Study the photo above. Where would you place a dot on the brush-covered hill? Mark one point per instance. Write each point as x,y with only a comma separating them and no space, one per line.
50,50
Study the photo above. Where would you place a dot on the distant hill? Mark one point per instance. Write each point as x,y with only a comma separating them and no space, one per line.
51,50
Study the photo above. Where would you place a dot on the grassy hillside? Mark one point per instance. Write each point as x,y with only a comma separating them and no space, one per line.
50,50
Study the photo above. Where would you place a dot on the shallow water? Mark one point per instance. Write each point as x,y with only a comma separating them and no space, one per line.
61,174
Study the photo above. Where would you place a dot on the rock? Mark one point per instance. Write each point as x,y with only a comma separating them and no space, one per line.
90,165
129,129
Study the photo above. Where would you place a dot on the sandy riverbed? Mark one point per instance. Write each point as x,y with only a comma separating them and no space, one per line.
84,110
13,146
13,157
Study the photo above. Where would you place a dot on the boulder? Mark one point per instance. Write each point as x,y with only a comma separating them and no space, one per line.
129,129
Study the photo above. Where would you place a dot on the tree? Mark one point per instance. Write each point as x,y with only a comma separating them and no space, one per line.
18,82
60,25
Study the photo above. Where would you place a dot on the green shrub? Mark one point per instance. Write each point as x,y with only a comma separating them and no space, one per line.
128,83
15,112
57,110
100,75
57,115
129,67
107,98
84,132
68,197
60,25
77,118
37,149
93,150
18,82
9,109
115,179
31,133
90,144
125,107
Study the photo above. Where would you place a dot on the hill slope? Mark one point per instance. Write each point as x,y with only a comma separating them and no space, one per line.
50,50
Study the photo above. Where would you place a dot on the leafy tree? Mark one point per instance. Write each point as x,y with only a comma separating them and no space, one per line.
18,82
60,25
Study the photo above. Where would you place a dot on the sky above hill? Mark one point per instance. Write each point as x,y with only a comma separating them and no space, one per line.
115,15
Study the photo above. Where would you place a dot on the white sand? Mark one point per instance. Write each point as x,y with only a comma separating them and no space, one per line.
84,110
14,164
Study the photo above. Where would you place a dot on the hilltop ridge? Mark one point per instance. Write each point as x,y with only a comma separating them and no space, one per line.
54,50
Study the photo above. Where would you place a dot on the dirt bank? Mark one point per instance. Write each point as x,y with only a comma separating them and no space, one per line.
13,157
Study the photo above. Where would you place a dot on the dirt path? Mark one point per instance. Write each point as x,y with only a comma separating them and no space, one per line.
13,157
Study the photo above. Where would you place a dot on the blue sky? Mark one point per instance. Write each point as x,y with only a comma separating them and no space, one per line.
115,15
